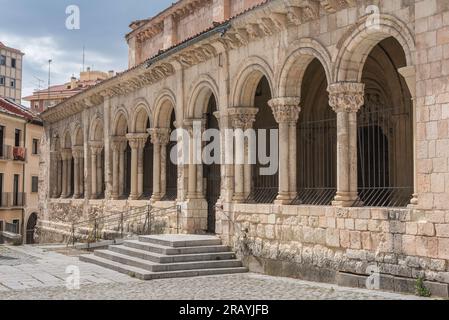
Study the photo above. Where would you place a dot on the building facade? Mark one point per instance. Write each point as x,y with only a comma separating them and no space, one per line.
10,73
41,100
20,138
359,97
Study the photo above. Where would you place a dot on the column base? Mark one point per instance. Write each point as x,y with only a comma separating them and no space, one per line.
77,196
283,199
238,198
156,197
345,199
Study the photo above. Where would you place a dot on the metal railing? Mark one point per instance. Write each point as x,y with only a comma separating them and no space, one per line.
135,221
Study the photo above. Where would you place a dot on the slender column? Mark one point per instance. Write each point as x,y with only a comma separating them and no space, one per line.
286,112
159,139
69,174
115,170
54,174
122,152
346,98
137,142
195,181
59,176
242,119
77,156
96,148
81,170
409,75
100,175
64,156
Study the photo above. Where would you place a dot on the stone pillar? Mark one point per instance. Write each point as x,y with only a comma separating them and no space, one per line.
346,98
195,127
54,174
286,112
122,152
409,74
242,120
69,173
137,143
59,176
65,154
159,138
115,170
78,181
96,149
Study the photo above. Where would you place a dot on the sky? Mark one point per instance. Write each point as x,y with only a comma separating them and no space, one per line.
38,28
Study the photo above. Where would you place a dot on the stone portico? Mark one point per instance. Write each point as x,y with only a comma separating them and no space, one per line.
360,101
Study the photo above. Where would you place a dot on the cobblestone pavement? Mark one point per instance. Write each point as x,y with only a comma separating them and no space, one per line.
42,275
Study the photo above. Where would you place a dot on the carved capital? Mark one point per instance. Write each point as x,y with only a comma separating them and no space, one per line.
66,154
119,143
243,118
160,136
346,96
78,152
96,147
286,109
137,140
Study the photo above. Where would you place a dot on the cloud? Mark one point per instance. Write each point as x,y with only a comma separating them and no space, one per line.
65,61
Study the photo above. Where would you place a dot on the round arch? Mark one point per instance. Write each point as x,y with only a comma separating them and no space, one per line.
355,48
78,136
140,116
199,99
248,79
164,106
301,54
120,124
96,130
67,140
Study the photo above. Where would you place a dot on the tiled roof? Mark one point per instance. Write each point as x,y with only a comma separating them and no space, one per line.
9,107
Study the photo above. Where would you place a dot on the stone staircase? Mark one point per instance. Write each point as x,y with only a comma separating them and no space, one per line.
168,256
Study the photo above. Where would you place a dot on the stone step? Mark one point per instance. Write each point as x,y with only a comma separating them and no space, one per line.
148,275
176,241
166,250
161,258
155,267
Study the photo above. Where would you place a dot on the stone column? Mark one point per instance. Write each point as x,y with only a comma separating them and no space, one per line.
54,174
69,173
64,156
409,75
346,98
286,112
77,156
59,175
96,148
159,138
115,169
195,128
242,120
122,152
137,143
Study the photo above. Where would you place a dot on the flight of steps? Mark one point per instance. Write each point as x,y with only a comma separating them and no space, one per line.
168,256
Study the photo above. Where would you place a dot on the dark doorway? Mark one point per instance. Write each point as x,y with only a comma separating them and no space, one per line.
31,226
212,172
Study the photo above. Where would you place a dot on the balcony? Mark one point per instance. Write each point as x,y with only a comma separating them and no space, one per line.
12,153
12,200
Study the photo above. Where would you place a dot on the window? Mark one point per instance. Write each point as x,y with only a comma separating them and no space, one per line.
2,60
17,138
1,225
15,193
35,146
34,184
13,83
2,80
13,63
2,132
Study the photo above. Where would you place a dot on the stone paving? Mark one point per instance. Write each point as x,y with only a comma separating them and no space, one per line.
41,274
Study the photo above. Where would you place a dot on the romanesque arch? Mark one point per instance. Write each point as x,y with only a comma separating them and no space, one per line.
355,47
300,55
165,119
248,79
202,90
96,143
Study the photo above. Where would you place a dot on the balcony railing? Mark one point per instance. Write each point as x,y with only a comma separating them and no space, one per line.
12,228
12,199
12,153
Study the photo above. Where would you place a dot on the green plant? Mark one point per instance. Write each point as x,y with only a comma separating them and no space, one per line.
421,289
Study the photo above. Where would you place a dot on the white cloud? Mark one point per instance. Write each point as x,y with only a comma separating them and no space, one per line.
65,62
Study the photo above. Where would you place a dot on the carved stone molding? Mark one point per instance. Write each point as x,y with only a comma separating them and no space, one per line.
78,152
286,109
137,140
346,96
243,118
160,136
96,147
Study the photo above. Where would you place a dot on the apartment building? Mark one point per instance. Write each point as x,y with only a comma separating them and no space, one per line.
20,134
10,73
